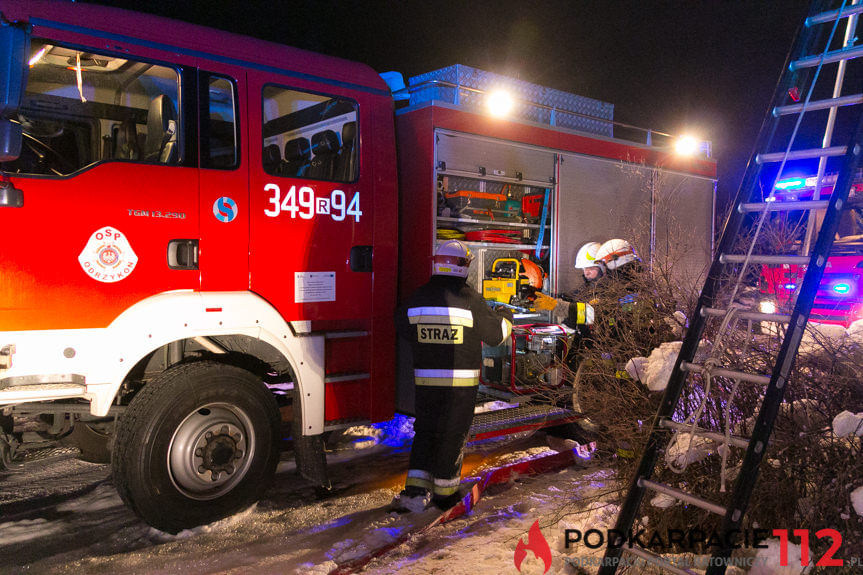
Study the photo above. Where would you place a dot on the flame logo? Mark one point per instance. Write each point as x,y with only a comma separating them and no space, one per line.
535,542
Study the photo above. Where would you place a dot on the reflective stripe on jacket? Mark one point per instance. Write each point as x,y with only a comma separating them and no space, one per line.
446,322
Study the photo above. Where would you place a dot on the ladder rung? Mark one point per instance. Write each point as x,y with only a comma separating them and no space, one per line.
800,154
782,206
828,58
748,315
741,375
818,105
717,437
682,495
762,259
659,561
832,15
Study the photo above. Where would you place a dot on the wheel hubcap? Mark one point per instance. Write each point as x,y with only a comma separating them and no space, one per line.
211,451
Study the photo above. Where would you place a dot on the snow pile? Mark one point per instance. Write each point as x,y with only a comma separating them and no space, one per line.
677,322
663,501
227,524
847,423
821,335
493,406
857,500
766,562
397,432
687,448
654,371
358,437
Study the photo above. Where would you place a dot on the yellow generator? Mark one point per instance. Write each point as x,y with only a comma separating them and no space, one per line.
510,280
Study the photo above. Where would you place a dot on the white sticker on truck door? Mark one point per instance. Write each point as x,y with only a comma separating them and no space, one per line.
314,286
108,257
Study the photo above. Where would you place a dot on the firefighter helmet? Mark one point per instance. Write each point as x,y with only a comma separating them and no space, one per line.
616,253
532,273
586,256
452,258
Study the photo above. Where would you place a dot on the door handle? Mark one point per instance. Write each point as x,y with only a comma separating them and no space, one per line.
10,196
361,259
183,254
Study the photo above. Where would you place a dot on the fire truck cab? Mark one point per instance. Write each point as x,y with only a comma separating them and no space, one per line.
192,213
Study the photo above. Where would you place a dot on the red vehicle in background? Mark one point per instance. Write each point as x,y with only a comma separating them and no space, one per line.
839,299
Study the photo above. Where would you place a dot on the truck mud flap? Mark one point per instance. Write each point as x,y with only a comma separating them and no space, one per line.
312,461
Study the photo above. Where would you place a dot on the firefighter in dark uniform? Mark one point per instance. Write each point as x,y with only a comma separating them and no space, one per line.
445,321
578,316
611,264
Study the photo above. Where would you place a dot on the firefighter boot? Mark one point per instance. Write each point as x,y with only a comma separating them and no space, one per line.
412,499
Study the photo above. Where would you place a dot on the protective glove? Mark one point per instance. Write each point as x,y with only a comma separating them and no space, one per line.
544,302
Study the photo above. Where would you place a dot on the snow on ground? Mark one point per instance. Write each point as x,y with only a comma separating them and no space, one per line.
290,531
767,561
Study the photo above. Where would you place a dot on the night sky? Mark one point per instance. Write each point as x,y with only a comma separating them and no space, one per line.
698,66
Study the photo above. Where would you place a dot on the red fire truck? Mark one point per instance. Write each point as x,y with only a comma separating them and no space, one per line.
204,232
839,299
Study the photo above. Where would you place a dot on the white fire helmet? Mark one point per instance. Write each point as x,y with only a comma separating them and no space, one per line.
452,258
586,256
616,253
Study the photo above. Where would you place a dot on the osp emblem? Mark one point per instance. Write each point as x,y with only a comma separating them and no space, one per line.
535,542
108,257
225,209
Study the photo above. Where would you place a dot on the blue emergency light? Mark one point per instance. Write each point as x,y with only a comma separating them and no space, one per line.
842,288
791,184
790,286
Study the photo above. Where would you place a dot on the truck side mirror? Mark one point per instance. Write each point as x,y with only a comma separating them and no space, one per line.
14,49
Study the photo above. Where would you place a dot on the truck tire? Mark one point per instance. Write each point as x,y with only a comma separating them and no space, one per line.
196,444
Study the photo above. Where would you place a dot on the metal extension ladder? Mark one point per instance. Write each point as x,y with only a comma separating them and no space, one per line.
798,96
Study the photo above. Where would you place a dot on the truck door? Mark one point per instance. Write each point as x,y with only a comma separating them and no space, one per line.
224,179
108,183
311,204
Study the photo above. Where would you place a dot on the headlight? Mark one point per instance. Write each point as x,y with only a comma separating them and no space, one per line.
767,306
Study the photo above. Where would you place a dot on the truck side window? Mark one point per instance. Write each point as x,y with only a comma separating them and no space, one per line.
80,108
220,141
309,135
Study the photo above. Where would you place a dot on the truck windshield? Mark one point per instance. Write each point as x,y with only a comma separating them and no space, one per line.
80,108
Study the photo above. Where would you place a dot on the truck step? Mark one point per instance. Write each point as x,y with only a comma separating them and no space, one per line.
41,392
522,418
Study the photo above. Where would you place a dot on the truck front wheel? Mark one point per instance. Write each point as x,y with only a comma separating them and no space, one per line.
196,444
